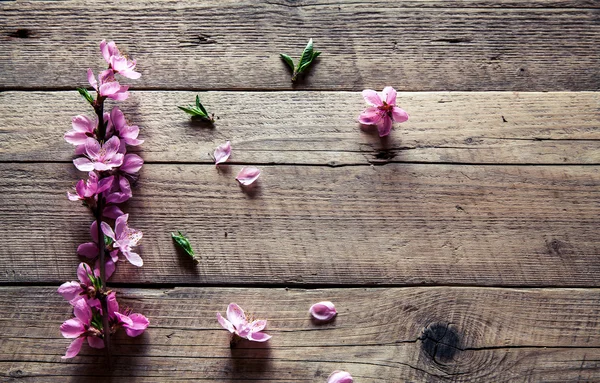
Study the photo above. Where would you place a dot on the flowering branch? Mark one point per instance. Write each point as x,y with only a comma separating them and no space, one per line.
102,147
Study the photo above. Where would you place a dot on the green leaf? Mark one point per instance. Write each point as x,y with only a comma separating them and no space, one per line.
192,110
108,240
307,55
200,106
84,92
183,242
288,60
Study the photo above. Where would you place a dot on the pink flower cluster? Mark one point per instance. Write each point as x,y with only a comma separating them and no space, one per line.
101,146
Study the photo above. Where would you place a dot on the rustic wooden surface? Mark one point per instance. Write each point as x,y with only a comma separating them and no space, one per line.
478,218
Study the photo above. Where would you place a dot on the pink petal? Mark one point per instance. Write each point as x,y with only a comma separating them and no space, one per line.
70,290
73,197
222,153
389,95
83,273
94,231
95,342
225,323
370,116
121,95
258,325
109,88
372,97
105,184
112,211
104,49
111,146
248,175
129,73
83,164
236,316
130,132
109,268
323,311
82,311
123,319
83,124
258,336
72,328
134,258
139,324
340,377
92,147
88,250
118,63
112,304
117,118
92,79
73,348
399,115
114,255
75,138
132,163
121,226
385,126
108,231
114,161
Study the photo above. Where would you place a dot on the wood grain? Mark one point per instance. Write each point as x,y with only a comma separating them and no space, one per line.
399,224
321,127
415,45
379,335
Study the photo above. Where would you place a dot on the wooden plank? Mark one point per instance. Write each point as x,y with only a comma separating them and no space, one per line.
398,224
419,45
321,127
379,335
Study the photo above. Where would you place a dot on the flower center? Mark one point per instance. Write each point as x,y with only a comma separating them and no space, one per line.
387,108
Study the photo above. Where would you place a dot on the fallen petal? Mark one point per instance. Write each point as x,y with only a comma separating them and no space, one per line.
323,311
248,175
222,153
340,377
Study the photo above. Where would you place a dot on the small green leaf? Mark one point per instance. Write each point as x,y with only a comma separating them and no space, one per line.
201,107
84,92
288,60
197,111
108,240
307,55
198,102
183,242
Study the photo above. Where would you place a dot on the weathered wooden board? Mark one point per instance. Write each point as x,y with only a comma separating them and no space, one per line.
418,45
379,335
393,224
321,127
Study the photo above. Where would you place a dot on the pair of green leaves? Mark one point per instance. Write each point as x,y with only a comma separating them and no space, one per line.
198,111
308,56
183,242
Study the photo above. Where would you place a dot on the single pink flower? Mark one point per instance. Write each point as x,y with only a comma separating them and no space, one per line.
100,157
83,128
84,289
383,110
222,153
248,175
119,63
109,87
132,163
124,239
90,188
323,311
236,323
133,323
127,133
80,328
340,377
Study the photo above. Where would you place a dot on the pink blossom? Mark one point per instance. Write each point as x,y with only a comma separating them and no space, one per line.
83,128
340,377
222,153
323,311
100,157
236,323
119,63
383,110
248,175
132,163
74,291
80,328
90,188
133,323
127,133
124,238
109,87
